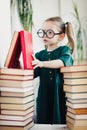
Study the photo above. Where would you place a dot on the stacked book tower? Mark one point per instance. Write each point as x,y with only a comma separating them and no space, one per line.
17,84
16,99
75,87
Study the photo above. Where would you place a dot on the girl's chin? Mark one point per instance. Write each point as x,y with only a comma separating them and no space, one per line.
45,43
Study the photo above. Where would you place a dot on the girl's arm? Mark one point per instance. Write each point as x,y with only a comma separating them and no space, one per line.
47,64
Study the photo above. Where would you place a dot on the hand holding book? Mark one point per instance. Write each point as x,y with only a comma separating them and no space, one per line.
36,63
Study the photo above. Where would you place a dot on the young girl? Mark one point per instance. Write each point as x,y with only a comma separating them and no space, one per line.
50,106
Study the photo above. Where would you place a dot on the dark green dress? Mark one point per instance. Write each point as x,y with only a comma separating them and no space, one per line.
50,105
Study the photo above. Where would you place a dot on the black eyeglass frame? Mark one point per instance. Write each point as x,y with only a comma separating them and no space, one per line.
45,33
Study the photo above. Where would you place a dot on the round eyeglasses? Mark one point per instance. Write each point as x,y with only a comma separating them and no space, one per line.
49,33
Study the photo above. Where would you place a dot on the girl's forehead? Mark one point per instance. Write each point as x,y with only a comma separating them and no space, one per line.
51,25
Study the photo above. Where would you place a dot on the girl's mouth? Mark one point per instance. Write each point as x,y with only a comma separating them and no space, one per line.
44,40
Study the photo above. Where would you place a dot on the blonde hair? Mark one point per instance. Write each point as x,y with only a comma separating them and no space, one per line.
65,28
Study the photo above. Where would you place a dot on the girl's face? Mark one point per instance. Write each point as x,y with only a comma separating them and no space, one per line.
51,33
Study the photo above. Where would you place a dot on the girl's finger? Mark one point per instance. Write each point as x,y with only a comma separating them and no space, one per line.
35,66
34,63
33,56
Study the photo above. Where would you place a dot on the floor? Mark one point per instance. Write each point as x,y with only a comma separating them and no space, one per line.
49,127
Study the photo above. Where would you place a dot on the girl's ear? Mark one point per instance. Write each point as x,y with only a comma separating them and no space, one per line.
61,36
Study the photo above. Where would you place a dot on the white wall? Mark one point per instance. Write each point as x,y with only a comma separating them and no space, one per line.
5,29
67,8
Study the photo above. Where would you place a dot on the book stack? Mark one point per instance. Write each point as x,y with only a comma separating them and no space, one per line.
75,87
16,99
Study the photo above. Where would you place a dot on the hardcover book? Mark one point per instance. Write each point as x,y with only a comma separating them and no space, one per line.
7,106
77,122
76,95
76,105
78,111
16,83
74,81
69,75
12,59
15,77
16,117
17,72
75,88
17,94
21,44
26,127
75,116
16,89
17,100
72,127
27,49
15,123
74,68
77,101
17,112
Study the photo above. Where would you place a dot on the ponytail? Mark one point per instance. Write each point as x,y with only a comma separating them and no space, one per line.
70,35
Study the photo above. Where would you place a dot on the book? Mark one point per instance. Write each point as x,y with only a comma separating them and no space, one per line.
72,127
16,83
75,88
17,100
27,48
17,72
15,123
12,59
21,43
82,74
16,89
17,94
74,101
16,117
7,106
77,105
74,68
15,77
76,95
77,122
78,111
75,116
79,81
17,112
26,127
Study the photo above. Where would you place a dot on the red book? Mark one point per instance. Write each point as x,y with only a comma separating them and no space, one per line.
12,59
21,42
27,48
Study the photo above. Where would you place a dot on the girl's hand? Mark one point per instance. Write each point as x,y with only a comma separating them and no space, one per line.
37,63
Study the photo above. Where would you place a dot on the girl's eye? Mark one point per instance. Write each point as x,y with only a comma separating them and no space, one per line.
50,33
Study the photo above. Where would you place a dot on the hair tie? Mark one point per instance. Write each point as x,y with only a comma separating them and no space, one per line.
66,23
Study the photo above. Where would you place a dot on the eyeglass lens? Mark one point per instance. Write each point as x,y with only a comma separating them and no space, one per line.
49,33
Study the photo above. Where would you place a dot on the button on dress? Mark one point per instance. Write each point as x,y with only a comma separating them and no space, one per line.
51,101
